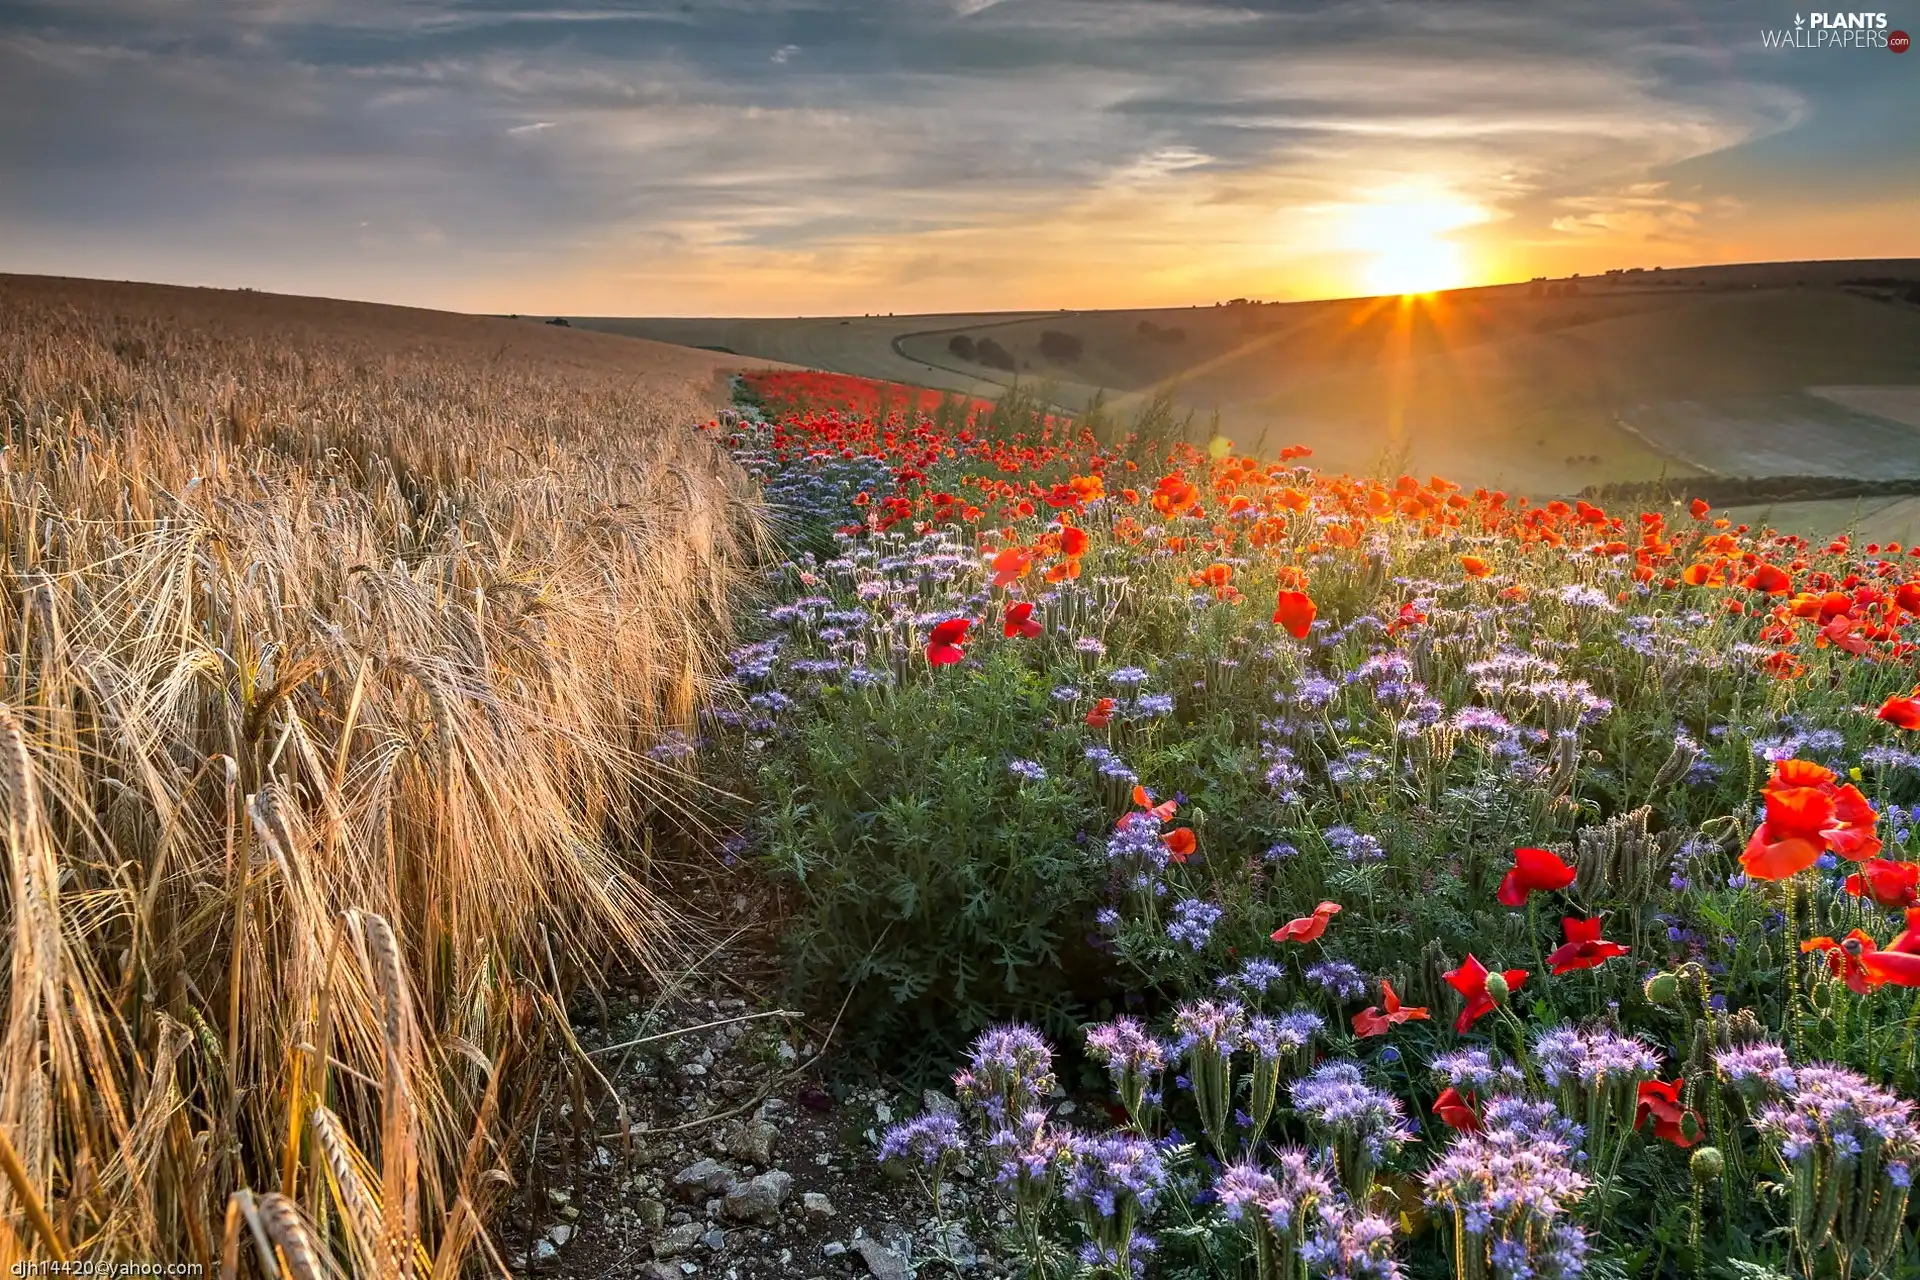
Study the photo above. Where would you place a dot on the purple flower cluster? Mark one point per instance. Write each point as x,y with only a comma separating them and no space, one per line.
1592,1059
1292,1032
1759,1070
1474,1069
929,1139
1011,1068
1113,1172
1338,979
1027,770
1215,1026
1337,1098
1193,922
1511,1188
1839,1109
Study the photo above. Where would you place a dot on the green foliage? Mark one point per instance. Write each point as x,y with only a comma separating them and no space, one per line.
933,887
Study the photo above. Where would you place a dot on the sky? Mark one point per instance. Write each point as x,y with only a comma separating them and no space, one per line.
721,157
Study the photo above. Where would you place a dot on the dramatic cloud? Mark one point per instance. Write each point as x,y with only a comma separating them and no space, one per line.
718,155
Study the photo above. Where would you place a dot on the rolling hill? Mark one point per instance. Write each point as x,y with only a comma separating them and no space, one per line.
1545,387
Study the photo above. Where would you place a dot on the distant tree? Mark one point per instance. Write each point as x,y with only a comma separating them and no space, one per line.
561,321
991,354
961,345
1146,328
1063,347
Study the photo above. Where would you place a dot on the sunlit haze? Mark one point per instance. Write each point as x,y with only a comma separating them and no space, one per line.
626,157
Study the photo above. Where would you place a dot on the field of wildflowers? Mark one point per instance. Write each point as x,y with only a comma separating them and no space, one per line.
1428,882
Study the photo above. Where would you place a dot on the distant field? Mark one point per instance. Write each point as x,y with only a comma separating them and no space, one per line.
1895,404
1764,369
1782,435
1868,519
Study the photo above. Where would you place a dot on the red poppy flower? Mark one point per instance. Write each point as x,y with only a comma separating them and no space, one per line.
1899,961
1455,1110
944,645
1895,885
1902,711
1100,714
1019,620
1073,542
1012,563
1374,1020
1295,612
1584,947
1847,959
1660,1103
1307,928
1770,578
1475,567
1534,870
1470,980
1180,843
1808,813
1158,812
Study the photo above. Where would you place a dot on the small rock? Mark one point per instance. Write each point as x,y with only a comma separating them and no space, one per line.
569,1212
715,1239
651,1214
543,1251
752,1142
816,1205
555,1196
677,1241
833,1248
759,1200
560,1234
936,1103
660,1271
883,1113
703,1175
882,1261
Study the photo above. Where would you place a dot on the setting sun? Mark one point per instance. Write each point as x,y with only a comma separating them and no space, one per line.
1404,243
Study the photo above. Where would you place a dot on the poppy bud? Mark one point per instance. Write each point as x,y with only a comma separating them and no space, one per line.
1690,1126
1707,1164
1662,988
1497,990
1822,995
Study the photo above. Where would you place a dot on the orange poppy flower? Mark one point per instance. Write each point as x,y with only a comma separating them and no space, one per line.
1375,1020
1295,611
1180,843
1475,567
1010,564
1808,814
1847,959
1902,711
1895,885
1899,961
1307,928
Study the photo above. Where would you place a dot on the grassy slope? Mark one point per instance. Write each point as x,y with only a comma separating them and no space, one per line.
1487,386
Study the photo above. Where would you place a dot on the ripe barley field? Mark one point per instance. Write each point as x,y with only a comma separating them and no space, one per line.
336,638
